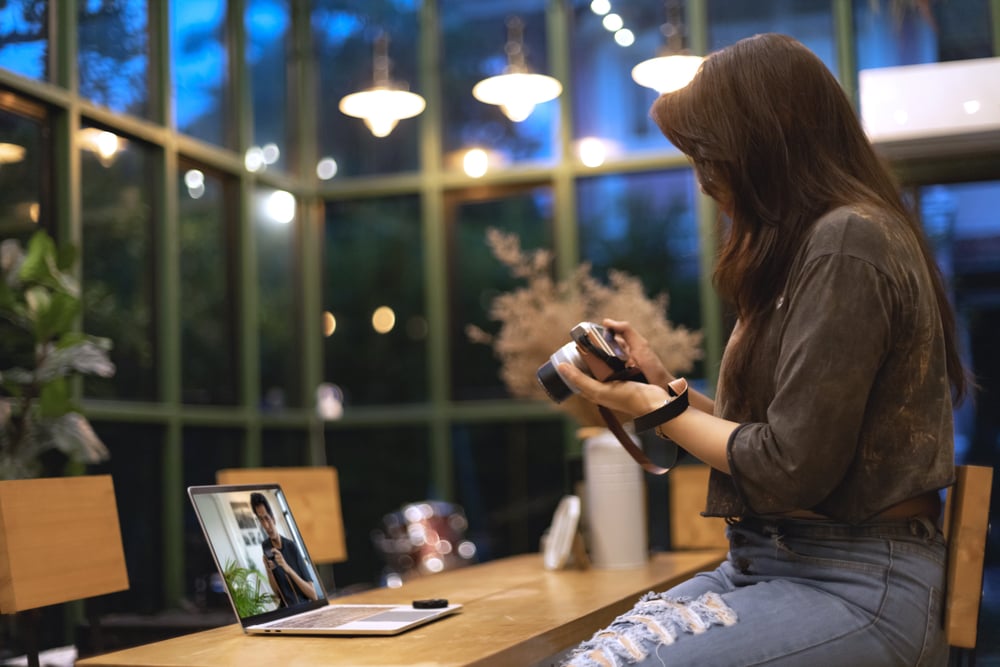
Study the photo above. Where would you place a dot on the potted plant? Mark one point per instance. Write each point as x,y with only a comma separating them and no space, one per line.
39,308
536,318
245,585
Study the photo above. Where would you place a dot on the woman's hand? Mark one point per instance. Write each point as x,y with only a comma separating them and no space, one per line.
639,352
622,396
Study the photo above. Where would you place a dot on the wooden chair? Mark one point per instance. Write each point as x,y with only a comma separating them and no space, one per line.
966,524
313,495
688,528
60,540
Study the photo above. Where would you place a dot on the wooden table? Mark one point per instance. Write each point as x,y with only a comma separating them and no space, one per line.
515,613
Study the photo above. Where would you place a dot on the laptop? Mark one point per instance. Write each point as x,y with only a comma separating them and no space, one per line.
269,578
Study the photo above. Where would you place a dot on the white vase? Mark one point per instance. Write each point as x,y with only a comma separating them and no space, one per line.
614,503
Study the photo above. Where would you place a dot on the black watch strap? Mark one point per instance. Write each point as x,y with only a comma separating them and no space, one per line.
662,415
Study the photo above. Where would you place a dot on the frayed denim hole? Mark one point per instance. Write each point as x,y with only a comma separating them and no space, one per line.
609,645
588,659
698,614
711,606
657,620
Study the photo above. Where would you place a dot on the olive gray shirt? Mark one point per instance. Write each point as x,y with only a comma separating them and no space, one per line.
850,400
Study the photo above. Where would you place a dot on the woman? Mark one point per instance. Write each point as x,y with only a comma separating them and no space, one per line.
831,433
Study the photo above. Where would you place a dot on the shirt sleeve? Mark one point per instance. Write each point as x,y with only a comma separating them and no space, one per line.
835,334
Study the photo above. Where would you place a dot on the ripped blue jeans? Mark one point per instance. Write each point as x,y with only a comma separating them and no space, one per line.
794,593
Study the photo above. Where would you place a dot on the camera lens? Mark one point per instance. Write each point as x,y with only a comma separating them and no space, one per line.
554,384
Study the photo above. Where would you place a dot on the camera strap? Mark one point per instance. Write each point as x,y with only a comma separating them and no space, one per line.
624,438
626,441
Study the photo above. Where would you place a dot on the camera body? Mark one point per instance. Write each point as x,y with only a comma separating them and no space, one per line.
593,339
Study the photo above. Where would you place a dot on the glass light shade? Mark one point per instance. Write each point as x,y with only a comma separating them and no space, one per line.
381,108
10,153
666,73
517,93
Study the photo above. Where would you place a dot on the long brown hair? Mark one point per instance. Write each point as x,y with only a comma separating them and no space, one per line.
773,137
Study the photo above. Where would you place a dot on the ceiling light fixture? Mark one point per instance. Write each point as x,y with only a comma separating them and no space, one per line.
387,102
11,153
675,67
518,90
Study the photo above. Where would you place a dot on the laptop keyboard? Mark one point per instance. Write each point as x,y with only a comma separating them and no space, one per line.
327,617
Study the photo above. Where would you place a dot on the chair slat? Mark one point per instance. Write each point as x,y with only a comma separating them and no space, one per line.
967,517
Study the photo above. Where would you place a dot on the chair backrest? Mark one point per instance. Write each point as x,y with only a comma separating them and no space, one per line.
313,495
688,528
966,521
60,540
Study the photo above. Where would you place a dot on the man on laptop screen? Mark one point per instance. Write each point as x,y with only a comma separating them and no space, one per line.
281,558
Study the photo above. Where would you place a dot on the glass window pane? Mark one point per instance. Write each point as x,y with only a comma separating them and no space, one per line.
25,169
380,470
278,303
200,65
609,105
113,59
646,225
24,190
206,450
917,33
344,34
809,21
135,465
962,224
208,270
24,38
473,40
477,276
118,259
509,477
268,26
285,447
373,298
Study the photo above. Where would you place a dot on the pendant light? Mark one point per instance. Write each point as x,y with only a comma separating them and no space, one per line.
386,102
675,66
11,153
518,90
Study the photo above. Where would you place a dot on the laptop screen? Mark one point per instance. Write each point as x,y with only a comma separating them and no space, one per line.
258,550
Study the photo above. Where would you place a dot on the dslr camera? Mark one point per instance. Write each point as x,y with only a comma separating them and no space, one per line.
593,339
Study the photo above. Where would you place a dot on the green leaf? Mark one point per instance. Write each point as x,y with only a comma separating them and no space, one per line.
54,400
38,299
19,316
58,318
73,435
41,266
73,337
8,297
89,356
17,376
39,260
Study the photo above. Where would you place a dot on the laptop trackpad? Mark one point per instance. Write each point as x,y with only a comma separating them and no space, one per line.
401,616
